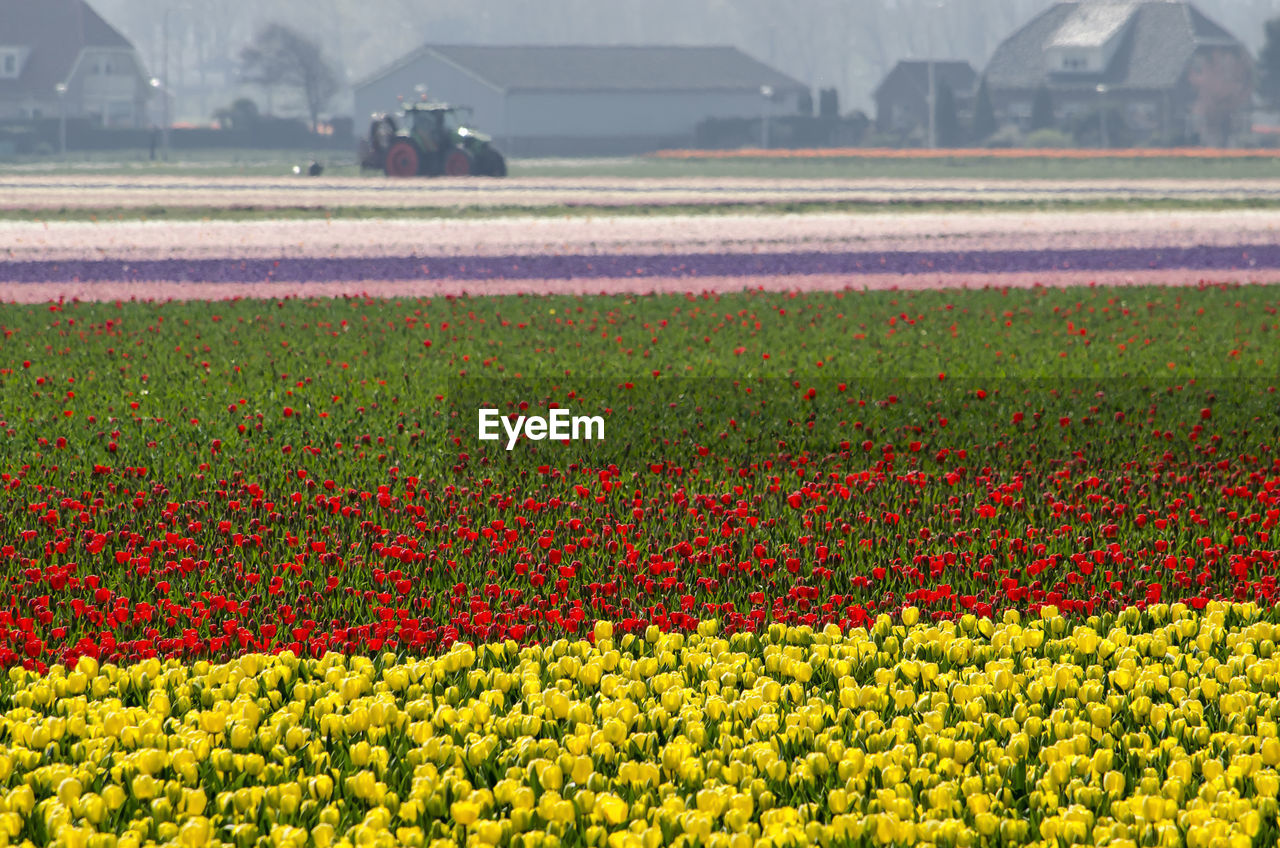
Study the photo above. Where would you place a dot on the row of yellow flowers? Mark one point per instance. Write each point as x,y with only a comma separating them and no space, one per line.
1155,727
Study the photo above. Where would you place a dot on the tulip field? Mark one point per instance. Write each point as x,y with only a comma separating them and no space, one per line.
1148,727
853,565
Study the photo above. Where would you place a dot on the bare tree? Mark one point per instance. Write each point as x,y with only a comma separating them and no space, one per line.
281,56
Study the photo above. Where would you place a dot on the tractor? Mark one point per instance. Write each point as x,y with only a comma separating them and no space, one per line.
432,141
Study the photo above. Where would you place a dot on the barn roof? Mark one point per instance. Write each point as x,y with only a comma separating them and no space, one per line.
1162,38
51,33
605,68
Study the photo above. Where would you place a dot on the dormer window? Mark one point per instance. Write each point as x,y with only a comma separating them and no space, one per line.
1073,61
106,66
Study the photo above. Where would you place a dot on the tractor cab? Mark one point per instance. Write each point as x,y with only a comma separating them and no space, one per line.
433,124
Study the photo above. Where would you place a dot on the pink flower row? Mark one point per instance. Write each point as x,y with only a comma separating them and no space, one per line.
887,232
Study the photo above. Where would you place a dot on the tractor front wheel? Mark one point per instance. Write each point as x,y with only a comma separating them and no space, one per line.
457,163
402,160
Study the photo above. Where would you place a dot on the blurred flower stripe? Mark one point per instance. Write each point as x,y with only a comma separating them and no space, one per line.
998,153
1153,727
541,266
650,234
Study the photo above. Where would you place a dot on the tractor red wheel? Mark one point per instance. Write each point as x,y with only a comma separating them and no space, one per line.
402,160
457,163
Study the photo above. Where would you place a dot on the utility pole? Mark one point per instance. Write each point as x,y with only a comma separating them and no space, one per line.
61,89
766,95
1102,114
165,89
934,7
933,105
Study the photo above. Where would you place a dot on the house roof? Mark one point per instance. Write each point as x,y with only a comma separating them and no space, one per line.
913,76
605,68
55,31
1162,37
1092,24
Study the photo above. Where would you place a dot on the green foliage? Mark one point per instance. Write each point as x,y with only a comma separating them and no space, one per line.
242,115
984,114
828,103
946,122
1042,110
1088,130
804,103
1049,138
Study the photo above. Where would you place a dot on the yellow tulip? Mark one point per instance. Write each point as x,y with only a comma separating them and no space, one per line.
489,832
322,835
69,791
465,813
838,801
213,721
321,787
93,808
195,832
557,704
241,736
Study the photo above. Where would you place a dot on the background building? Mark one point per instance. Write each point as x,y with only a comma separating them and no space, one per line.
902,98
580,100
1157,69
45,44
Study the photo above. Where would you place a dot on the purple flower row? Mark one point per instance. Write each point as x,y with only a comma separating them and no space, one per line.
577,266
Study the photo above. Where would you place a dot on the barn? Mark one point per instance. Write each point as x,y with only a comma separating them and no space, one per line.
585,100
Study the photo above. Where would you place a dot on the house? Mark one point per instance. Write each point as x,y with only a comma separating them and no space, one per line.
902,98
57,54
585,100
1161,66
